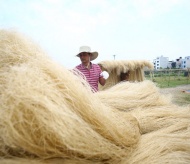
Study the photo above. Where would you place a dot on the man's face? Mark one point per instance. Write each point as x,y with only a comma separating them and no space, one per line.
84,57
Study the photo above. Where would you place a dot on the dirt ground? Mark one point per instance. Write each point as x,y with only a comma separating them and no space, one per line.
180,96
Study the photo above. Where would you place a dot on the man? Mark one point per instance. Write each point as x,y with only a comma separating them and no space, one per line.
92,72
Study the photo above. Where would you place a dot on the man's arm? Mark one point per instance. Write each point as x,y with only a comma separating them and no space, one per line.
102,81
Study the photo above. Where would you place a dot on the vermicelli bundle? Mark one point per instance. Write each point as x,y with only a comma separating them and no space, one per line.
127,95
46,111
49,114
135,68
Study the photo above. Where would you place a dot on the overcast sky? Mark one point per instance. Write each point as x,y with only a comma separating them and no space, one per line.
129,29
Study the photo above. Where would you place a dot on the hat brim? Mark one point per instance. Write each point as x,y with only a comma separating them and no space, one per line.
93,55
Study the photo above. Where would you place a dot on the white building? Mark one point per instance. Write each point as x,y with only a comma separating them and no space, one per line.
186,62
160,62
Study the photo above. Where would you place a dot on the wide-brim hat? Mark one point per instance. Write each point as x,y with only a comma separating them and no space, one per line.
93,55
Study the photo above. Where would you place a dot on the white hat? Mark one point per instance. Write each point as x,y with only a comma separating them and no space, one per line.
93,55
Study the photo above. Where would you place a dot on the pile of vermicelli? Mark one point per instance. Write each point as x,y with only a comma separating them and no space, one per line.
49,114
135,68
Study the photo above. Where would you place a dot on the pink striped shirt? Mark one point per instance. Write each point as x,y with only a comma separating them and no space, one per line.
91,75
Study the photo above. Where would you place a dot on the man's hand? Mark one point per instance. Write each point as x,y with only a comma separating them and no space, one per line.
105,75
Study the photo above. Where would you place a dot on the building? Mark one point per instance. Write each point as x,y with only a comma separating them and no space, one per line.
160,62
186,62
169,65
183,63
187,57
179,62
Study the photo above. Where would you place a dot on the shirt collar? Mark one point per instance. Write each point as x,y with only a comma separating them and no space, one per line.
91,65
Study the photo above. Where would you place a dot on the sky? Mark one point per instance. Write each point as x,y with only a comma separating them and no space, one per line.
126,29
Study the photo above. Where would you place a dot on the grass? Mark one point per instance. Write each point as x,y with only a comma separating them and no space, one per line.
169,81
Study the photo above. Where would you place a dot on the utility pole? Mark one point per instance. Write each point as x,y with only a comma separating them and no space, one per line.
114,56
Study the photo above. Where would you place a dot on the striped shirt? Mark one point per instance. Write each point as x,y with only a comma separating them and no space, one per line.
92,75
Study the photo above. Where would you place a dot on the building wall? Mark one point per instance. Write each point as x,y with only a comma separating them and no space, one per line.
185,62
160,62
169,64
187,57
188,64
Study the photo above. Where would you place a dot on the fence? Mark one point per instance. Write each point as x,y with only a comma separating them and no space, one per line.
169,77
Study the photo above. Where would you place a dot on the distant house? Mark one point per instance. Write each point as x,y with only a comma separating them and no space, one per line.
186,62
187,57
183,63
160,62
169,65
179,62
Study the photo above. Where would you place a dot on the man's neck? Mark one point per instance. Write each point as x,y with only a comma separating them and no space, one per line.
87,65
